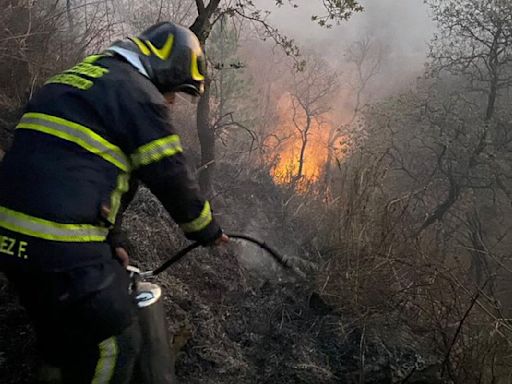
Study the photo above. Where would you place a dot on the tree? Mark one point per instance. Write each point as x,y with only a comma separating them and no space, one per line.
41,38
474,43
233,97
365,57
311,98
207,15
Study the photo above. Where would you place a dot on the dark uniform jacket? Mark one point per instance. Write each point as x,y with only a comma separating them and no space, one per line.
83,136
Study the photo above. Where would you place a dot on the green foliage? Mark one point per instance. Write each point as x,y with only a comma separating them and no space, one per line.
232,89
227,70
337,11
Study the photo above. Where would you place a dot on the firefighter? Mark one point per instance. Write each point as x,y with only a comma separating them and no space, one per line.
85,137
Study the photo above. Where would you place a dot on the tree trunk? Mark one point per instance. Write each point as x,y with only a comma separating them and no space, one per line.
202,28
207,142
304,144
493,65
328,170
69,15
491,101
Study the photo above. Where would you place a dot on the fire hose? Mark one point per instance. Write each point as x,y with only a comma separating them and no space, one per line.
280,259
156,365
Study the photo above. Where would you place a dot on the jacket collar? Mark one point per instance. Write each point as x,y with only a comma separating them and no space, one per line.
132,58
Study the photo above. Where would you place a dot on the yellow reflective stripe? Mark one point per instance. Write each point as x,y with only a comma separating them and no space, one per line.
70,79
88,69
205,218
164,52
45,229
142,47
106,362
92,58
194,69
123,184
76,133
156,150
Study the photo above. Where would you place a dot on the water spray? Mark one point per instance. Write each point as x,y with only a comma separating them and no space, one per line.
280,259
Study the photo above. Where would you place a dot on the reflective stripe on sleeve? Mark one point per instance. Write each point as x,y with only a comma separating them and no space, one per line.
205,218
76,133
122,186
156,150
44,229
106,362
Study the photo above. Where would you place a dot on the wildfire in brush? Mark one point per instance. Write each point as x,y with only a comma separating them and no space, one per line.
299,149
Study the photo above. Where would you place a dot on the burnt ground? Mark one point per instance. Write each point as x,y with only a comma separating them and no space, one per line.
233,328
17,352
237,319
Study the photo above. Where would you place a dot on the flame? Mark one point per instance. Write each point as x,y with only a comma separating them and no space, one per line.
287,142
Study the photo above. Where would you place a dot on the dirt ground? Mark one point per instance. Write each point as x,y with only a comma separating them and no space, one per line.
237,318
234,328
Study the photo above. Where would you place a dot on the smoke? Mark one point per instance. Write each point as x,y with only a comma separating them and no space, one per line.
401,29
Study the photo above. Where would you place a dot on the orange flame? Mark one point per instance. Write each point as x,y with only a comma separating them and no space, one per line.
287,142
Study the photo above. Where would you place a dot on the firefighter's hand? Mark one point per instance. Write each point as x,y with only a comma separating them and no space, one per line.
223,239
121,254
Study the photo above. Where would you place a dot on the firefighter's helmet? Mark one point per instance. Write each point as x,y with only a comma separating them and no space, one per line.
171,56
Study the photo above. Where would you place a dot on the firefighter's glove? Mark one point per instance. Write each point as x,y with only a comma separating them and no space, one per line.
223,239
122,256
219,239
120,245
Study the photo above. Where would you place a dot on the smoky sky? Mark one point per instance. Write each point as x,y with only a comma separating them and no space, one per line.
402,28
